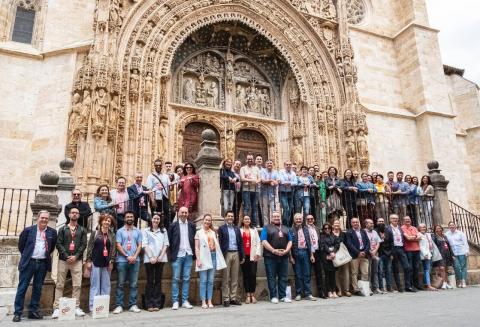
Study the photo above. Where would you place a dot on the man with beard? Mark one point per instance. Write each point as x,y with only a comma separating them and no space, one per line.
71,243
400,190
277,242
129,245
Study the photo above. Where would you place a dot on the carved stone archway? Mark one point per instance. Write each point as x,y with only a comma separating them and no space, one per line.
132,56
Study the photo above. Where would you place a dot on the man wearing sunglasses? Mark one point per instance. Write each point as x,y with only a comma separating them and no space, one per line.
83,208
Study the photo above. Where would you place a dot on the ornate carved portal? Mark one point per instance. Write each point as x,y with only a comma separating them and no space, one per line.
284,71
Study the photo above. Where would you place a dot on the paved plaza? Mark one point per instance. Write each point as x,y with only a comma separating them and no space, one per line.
454,308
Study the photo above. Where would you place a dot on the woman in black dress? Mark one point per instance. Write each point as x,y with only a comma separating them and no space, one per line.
447,255
329,245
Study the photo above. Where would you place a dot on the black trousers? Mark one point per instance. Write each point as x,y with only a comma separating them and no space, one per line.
237,203
153,289
163,206
330,280
249,271
319,274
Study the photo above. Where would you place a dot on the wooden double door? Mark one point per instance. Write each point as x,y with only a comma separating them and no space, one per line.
246,141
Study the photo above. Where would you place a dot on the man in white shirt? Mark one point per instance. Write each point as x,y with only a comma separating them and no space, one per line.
160,184
459,244
374,258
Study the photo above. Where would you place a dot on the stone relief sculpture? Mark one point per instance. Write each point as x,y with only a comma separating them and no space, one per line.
230,144
212,95
99,112
189,91
297,152
75,122
362,144
86,108
240,99
351,152
134,84
148,87
114,111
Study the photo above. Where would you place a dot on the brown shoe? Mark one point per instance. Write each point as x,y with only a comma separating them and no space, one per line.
347,293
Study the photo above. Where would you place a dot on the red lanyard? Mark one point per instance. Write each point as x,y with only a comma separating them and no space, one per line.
105,251
129,241
72,243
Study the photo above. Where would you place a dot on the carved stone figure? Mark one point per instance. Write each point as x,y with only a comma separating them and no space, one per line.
350,145
240,99
162,137
188,91
252,103
200,95
265,102
212,95
99,112
86,108
297,152
230,144
74,124
114,111
134,83
148,87
362,145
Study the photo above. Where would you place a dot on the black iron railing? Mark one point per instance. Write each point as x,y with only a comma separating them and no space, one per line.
15,212
467,222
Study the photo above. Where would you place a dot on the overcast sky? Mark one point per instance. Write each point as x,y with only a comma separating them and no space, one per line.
459,25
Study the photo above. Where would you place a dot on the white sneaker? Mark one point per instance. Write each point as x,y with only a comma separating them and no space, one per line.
274,300
187,305
464,284
79,312
134,308
118,310
449,287
55,313
286,300
298,298
444,286
175,306
311,298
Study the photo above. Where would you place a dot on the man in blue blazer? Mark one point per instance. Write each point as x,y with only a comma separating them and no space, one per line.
358,245
36,245
231,244
139,196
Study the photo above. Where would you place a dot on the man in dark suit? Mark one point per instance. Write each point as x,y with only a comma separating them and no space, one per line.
358,246
181,236
139,196
399,257
231,244
36,244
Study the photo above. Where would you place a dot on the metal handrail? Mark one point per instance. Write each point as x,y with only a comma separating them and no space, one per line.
466,221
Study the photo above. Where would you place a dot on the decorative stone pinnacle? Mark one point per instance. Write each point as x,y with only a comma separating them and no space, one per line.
49,178
67,164
433,165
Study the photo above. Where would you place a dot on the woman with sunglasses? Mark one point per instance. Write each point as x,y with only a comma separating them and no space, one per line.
188,188
329,245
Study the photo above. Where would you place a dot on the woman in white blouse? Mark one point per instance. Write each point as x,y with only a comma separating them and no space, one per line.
426,252
209,259
155,244
253,251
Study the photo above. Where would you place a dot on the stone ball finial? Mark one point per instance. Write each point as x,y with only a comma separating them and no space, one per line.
209,135
433,165
49,178
67,164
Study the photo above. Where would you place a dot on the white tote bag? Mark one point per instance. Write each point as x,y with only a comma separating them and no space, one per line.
436,255
364,287
342,256
101,304
66,306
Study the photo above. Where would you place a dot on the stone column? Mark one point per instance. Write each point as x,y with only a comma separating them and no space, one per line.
47,198
208,162
441,214
66,185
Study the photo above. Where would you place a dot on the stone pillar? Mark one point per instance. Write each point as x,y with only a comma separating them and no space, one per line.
441,214
47,198
208,162
66,185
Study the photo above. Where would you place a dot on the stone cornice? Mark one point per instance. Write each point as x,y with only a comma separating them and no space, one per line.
400,32
32,53
409,115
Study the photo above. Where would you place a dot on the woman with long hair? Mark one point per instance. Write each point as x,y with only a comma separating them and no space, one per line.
329,245
101,251
209,259
253,251
426,199
426,253
334,193
155,244
103,202
342,274
445,250
413,199
189,186
349,195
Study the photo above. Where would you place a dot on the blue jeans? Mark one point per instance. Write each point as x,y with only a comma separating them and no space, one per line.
400,259
427,264
276,268
286,200
99,283
302,201
414,262
206,280
385,270
130,272
460,265
183,265
302,272
250,202
37,270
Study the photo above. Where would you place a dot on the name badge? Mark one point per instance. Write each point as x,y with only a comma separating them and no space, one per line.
105,252
129,246
280,234
72,246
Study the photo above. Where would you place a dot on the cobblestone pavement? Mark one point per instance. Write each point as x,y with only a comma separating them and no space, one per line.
453,308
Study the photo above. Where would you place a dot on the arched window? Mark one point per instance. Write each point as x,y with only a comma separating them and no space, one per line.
23,22
356,11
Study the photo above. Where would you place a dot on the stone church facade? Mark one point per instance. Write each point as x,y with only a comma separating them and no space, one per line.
115,84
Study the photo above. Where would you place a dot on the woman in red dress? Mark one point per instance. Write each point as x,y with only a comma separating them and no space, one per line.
188,189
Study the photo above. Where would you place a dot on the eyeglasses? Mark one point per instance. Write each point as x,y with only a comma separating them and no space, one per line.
188,167
324,228
76,194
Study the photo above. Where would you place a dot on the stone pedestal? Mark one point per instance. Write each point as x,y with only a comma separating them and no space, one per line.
441,214
66,185
208,162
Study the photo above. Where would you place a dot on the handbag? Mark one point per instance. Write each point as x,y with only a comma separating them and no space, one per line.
436,255
87,272
342,256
